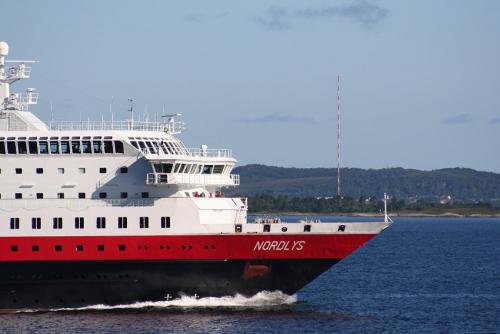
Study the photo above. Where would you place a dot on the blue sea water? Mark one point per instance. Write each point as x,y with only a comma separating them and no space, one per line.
422,275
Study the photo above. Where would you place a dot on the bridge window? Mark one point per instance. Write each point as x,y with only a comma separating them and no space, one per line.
207,169
44,147
97,146
75,147
54,147
86,148
2,147
21,147
150,147
134,144
33,147
108,146
218,169
118,146
65,147
11,147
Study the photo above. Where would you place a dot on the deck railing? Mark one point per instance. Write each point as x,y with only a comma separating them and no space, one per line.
196,179
169,127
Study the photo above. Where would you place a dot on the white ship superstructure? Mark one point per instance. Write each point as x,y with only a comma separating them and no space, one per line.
121,211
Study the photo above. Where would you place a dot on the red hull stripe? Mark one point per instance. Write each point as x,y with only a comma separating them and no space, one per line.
205,247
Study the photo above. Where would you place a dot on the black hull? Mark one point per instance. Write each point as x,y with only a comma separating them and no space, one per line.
63,284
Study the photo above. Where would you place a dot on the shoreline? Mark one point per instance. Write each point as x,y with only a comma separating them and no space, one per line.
391,214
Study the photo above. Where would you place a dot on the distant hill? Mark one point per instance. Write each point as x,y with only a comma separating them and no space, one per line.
461,183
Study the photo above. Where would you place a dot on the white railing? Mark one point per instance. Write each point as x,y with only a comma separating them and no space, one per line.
196,179
13,204
169,127
209,153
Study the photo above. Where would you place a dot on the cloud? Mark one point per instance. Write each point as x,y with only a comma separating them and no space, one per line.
197,17
495,120
360,11
459,119
277,118
276,18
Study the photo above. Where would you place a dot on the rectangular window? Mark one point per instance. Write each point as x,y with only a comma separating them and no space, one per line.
35,248
81,170
13,248
39,195
75,147
58,248
54,147
150,147
81,195
65,147
21,147
11,147
44,147
207,169
124,170
118,146
19,170
123,195
121,248
100,248
134,144
122,222
86,148
218,169
57,223
79,248
165,222
97,146
14,223
145,195
144,222
2,147
33,147
19,196
36,223
103,195
102,170
39,170
60,195
108,146
79,223
101,222
60,170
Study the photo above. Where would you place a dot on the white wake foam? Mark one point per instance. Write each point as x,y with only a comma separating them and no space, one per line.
261,299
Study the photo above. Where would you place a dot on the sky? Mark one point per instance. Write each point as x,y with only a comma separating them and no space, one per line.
420,80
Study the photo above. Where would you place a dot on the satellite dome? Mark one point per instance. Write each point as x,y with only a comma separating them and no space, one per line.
4,48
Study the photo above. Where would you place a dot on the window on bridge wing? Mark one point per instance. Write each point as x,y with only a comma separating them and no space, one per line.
33,147
76,147
11,147
150,147
86,147
187,169
143,147
134,144
2,147
21,147
181,170
119,147
207,169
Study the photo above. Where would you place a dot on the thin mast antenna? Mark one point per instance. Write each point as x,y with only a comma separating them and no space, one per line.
131,111
338,135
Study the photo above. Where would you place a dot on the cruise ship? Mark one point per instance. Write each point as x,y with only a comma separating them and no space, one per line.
122,211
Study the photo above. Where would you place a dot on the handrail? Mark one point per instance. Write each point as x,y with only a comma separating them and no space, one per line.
169,127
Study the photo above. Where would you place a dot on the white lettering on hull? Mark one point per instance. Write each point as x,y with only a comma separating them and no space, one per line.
282,245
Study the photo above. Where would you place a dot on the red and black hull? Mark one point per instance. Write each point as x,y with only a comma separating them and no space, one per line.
60,272
58,284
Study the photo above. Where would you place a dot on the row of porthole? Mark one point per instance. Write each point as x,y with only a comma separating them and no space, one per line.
100,248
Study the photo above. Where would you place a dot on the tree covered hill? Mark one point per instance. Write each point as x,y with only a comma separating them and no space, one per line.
461,184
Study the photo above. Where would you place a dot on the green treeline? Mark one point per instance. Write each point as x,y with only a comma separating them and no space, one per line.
346,204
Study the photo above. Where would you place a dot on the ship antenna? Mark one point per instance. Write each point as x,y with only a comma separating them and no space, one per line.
338,135
131,111
111,110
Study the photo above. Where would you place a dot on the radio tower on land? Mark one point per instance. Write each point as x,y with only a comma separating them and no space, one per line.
338,135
